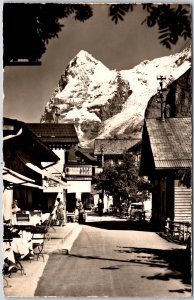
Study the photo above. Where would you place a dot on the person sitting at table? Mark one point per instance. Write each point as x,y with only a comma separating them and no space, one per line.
9,259
10,231
23,245
20,241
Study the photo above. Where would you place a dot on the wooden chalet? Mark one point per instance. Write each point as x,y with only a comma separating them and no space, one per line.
23,153
166,149
111,150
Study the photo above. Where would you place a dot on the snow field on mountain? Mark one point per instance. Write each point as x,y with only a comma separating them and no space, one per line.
90,86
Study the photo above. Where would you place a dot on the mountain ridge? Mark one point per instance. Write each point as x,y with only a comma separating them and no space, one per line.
105,103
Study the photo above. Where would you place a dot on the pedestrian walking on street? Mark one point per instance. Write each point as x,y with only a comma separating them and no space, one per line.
60,214
81,212
100,208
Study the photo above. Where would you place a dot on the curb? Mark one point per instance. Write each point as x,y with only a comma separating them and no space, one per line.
64,244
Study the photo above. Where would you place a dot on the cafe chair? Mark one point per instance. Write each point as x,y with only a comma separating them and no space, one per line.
18,264
38,244
9,269
5,282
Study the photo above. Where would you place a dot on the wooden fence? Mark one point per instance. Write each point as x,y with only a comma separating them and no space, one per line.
180,231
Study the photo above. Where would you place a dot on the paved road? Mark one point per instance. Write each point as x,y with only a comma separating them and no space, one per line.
113,258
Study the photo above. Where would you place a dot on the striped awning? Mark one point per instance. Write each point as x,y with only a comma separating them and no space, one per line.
13,177
29,184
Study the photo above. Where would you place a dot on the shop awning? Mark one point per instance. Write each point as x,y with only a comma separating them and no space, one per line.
29,184
14,177
45,173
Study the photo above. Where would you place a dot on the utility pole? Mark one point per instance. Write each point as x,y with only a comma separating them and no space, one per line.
57,114
102,153
102,148
161,96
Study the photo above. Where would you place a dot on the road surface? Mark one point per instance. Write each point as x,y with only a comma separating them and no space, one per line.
114,258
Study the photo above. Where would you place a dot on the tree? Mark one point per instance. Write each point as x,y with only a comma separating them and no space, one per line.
27,28
121,181
173,21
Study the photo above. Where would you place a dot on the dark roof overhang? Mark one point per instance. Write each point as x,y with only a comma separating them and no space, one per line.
27,142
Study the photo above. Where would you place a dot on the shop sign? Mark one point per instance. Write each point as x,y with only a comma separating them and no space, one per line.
50,185
78,171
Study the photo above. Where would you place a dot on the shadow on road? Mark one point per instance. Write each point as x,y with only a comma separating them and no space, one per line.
174,263
177,261
121,225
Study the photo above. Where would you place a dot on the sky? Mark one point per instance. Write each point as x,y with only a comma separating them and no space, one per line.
27,89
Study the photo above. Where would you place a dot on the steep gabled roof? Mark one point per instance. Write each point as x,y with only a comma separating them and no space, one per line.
170,142
27,141
54,132
113,146
85,154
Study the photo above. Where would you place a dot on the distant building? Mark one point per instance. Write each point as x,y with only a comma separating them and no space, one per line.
166,148
75,165
111,150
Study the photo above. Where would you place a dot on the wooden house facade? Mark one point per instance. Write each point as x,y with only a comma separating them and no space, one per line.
166,149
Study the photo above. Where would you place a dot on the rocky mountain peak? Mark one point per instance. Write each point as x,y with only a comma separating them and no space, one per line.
83,57
104,103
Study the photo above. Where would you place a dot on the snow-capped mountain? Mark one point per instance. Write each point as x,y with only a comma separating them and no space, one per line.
107,103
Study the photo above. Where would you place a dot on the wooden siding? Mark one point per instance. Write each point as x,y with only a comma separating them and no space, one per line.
183,204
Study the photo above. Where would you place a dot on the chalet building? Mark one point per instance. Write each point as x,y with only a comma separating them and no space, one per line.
23,153
111,150
75,165
166,149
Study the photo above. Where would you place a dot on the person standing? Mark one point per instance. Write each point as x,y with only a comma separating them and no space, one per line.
76,210
100,208
81,212
60,214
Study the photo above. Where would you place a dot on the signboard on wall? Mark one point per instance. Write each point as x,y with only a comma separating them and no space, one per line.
51,186
78,171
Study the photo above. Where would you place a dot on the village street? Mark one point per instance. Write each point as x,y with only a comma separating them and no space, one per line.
115,258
